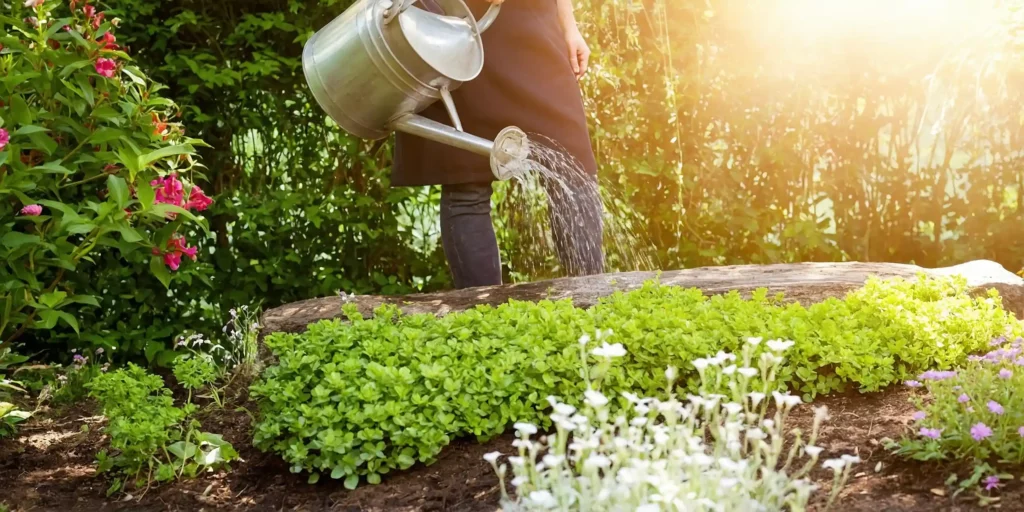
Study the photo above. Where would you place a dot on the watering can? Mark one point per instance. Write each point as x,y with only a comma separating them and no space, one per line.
378,65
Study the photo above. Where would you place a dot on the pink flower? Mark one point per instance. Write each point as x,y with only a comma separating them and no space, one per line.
169,190
963,398
1021,431
5,137
34,3
920,415
980,431
32,210
1005,374
176,247
995,407
197,200
106,67
931,433
173,260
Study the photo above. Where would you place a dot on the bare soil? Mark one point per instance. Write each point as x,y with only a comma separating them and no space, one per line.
49,466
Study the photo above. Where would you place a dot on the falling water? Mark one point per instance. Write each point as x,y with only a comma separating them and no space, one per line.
558,196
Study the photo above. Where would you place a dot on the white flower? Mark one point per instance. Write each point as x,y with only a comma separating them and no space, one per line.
542,499
768,424
516,461
835,465
786,400
850,459
748,372
700,363
519,480
770,359
597,461
729,370
754,341
670,374
813,451
525,428
650,507
821,413
595,399
492,457
609,351
584,339
727,483
553,460
522,443
564,410
779,345
756,434
732,408
755,397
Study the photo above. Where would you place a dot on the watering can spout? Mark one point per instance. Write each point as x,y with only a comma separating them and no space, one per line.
508,153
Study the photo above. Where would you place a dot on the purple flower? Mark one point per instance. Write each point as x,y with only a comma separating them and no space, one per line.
995,407
1005,374
974,359
920,415
931,433
980,431
80,360
1021,431
1019,361
963,398
991,482
996,342
912,384
937,375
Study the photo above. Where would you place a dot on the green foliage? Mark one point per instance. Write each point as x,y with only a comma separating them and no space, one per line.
89,134
10,414
152,439
366,397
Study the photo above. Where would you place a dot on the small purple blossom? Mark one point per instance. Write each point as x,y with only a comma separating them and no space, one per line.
931,433
1005,374
937,375
79,360
995,407
997,342
1019,361
1021,431
912,384
963,398
991,482
980,431
920,415
973,358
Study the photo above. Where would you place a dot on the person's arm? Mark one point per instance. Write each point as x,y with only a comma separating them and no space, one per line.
579,52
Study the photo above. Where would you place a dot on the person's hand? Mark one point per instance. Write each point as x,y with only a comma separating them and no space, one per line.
579,52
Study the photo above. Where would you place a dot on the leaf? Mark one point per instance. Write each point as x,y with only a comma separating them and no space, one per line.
118,188
313,478
146,194
183,450
212,457
106,134
352,482
159,270
16,239
53,167
337,473
44,142
53,299
69,319
162,153
151,350
29,130
20,113
129,234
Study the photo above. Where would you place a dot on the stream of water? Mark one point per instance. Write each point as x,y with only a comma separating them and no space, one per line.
566,222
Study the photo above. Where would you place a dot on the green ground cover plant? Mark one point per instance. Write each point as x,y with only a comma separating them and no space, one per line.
151,439
363,398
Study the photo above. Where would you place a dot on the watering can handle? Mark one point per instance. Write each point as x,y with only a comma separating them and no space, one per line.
488,18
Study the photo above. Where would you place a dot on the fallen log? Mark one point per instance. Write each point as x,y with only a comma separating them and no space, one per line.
806,283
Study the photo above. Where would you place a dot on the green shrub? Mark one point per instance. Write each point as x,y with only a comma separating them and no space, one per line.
151,438
380,394
91,166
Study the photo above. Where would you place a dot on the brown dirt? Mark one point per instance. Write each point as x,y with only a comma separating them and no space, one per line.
49,466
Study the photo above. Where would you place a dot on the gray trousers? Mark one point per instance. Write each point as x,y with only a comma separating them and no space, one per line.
471,247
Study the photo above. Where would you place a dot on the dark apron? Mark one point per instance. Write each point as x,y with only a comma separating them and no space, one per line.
527,81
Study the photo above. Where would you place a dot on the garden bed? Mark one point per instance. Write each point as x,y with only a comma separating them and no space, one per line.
50,466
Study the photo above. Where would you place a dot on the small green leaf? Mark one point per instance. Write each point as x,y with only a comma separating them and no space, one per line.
129,234
16,239
314,478
352,482
53,299
118,190
337,473
29,130
165,152
159,270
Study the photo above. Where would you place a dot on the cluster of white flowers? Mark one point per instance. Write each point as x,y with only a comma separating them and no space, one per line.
707,452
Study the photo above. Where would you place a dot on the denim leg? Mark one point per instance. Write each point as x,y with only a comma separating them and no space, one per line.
468,237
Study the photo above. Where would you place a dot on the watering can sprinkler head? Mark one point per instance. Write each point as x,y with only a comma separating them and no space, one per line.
510,154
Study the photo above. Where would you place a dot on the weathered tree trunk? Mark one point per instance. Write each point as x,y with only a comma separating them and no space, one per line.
805,283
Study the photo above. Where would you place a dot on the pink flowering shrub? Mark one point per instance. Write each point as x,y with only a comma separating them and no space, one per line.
92,164
975,414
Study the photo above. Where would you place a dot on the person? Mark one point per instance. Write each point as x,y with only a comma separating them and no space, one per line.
534,56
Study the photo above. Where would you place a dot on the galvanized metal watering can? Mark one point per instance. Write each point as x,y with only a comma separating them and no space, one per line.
380,63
